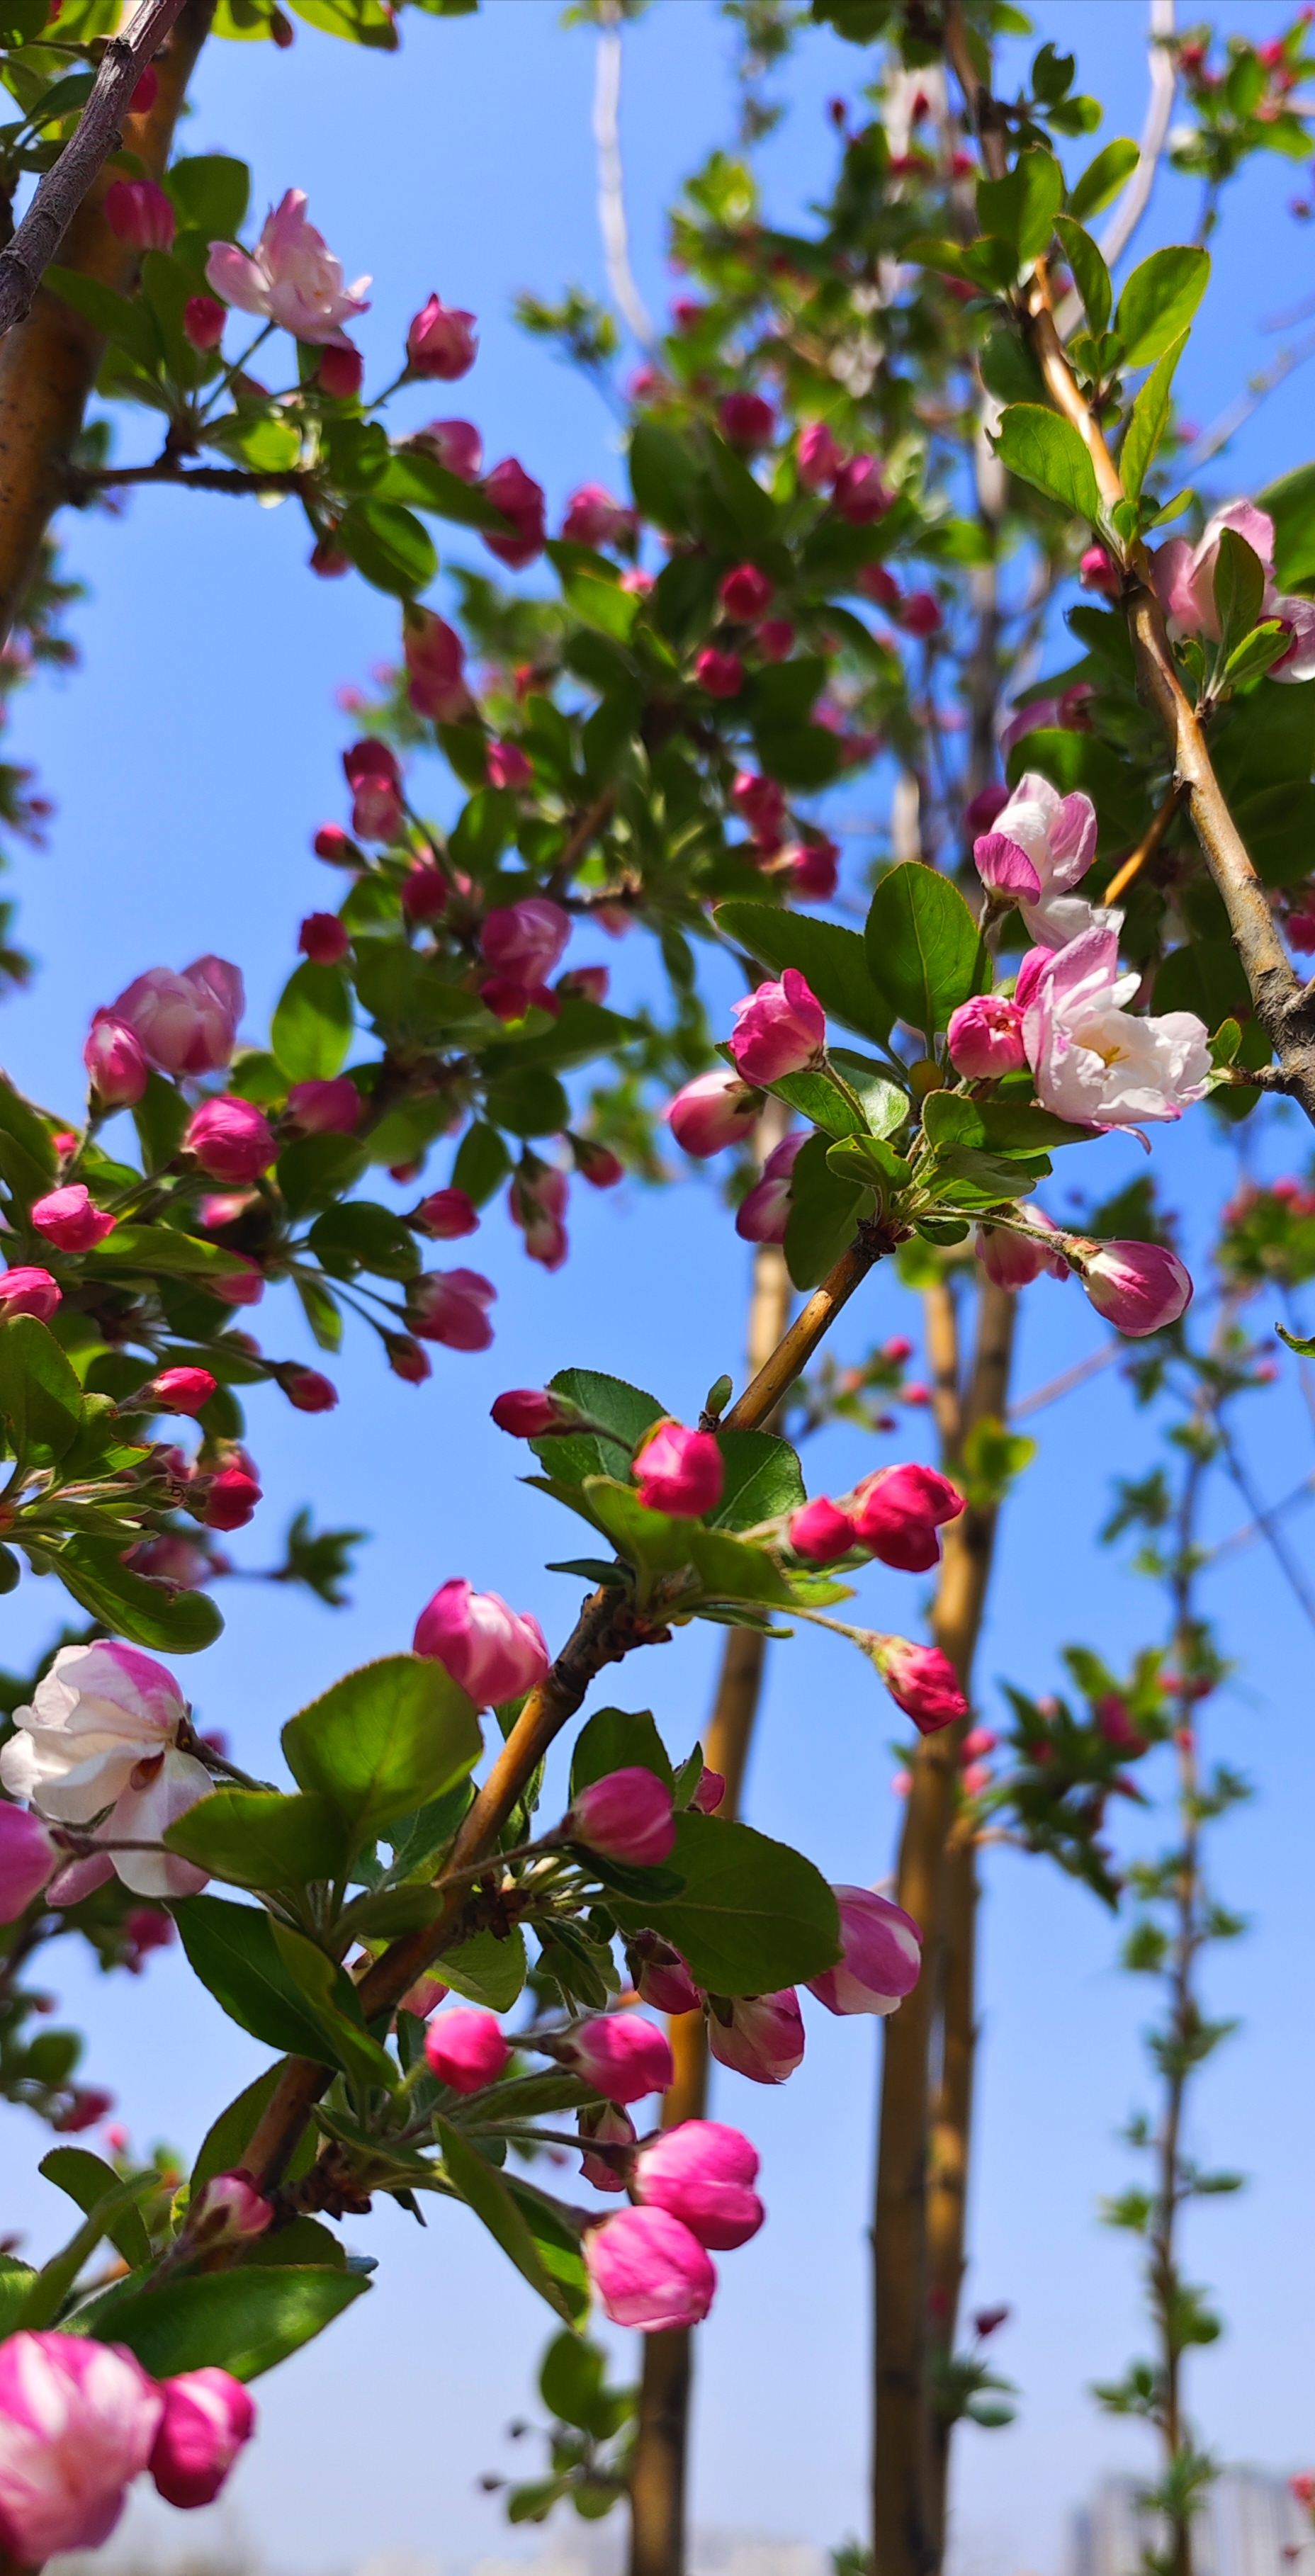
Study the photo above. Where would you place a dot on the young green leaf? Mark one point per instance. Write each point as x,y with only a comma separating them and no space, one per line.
257,1838
1159,301
1150,414
483,2189
384,1740
924,948
232,1949
1021,207
824,1211
245,2322
311,1030
130,1605
1042,449
1103,178
753,1915
40,1397
830,958
1090,275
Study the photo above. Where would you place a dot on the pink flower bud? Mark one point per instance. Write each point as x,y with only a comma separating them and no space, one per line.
323,938
746,420
605,2126
115,1062
773,641
721,674
898,1512
590,983
140,214
1099,572
977,1742
184,1023
648,2271
763,2038
701,2172
1303,2487
821,1532
341,370
986,1037
623,2056
536,1203
680,1472
597,1164
231,1499
336,847
593,518
449,1306
745,593
921,614
208,2415
435,667
180,1390
228,2210
922,1681
715,1110
491,1652
879,585
526,940
457,445
28,1291
530,1412
883,1955
977,1777
660,1975
764,1215
778,1030
203,322
70,1221
375,780
710,1792
820,459
861,492
406,1359
760,801
424,892
814,869
465,2048
424,1997
981,812
520,499
441,341
445,1214
326,1108
1013,1260
627,1816
1115,1724
232,1139
85,2109
244,1287
1140,1287
308,1390
27,1860
327,560
79,2419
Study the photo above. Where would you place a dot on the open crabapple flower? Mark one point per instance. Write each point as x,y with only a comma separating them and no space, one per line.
105,1729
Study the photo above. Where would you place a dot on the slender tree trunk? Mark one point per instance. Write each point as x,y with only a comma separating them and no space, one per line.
657,2527
914,2229
48,363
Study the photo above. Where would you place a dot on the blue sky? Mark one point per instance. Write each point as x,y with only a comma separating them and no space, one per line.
191,757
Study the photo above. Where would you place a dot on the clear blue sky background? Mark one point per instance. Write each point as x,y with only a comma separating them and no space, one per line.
191,757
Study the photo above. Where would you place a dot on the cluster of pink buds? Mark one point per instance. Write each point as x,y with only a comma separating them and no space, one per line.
79,2420
894,1514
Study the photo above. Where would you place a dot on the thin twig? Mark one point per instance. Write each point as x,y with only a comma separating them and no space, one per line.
1137,195
611,179
1146,847
1252,1530
205,478
98,133
1069,1378
1267,1526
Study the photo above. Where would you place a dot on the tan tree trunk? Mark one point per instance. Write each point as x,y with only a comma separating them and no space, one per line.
913,2198
48,363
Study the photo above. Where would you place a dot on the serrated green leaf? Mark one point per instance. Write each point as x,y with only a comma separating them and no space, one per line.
924,949
753,1915
1043,449
1159,301
1150,414
259,1839
311,1030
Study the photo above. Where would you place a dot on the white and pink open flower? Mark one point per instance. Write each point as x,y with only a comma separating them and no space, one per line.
1093,1062
100,1745
292,277
1184,578
1039,847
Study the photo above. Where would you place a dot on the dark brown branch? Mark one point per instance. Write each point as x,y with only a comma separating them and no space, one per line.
204,478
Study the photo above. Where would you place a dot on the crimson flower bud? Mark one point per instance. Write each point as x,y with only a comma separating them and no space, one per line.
745,593
231,1139
710,1791
761,2036
406,1359
1013,1260
983,809
1140,1287
146,92
746,420
898,1512
424,1997
505,765
244,1287
28,1859
424,892
721,674
203,322
491,1652
336,847
876,583
208,2415
231,1500
327,560
457,445
441,341
701,2172
323,938
228,2210
308,1390
882,1955
988,2320
862,493
26,1290
986,1037
281,30
148,1929
715,1110
531,1412
977,1742
330,1108
341,370
140,214
526,940
660,1975
596,1163
593,518
87,2103
679,1472
623,2056
590,983
764,1213
819,457
465,2048
760,800
821,1532
815,868
605,2126
1098,571
922,1681
445,1214
774,639
778,1030
70,1221
180,1390
520,499
648,2271
627,1816
449,1306
116,1062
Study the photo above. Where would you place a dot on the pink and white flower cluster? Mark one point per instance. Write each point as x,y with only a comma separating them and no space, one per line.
1184,579
79,2420
100,1748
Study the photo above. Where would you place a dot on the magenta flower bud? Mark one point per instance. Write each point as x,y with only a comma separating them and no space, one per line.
326,1108
778,1030
406,1359
28,1859
457,445
761,802
526,940
814,870
441,341
231,1500
714,1111
648,2271
922,1681
593,518
424,892
180,1390
977,1777
660,1975
140,214
376,784
1012,1260
336,847
721,674
465,2048
146,92
323,938
986,1037
898,1512
77,2423
445,1214
424,1997
505,765
308,1390
449,1306
208,2415
921,614
520,499
680,1472
880,586
244,1287
1115,1724
605,2126
623,2056
1139,1287
435,667
115,1062
746,420
710,1791
232,1139
821,1532
203,322
491,1652
1098,571
774,640
597,1164
745,593
626,1816
184,1023
590,983
980,813
883,1955
69,1219
763,2037
820,459
531,1412
28,1291
861,492
537,1204
227,2210
86,2107
701,2172
763,1216
341,370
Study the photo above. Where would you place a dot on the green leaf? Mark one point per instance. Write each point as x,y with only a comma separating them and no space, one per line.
752,510
125,324
315,1171
482,1163
389,545
529,1102
1090,274
31,1163
924,949
258,1838
622,1408
226,2141
1303,1345
732,1570
412,475
753,1915
871,1161
486,1969
266,442
1103,178
245,2322
830,958
311,1030
52,2284
334,2001
571,2377
763,1480
664,476
824,1211
557,2243
1291,505
130,1605
384,1740
160,1118
321,1311
210,191
16,2280
232,1949
951,1119
364,1236
1043,449
484,2191
88,2179
1158,302
163,1251
40,1397
1150,415
804,756
1239,589
1021,207
820,1100
618,1739
603,605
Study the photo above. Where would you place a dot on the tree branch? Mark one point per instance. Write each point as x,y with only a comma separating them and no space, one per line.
205,478
611,179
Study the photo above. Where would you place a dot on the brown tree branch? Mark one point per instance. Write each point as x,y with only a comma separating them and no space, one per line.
202,478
